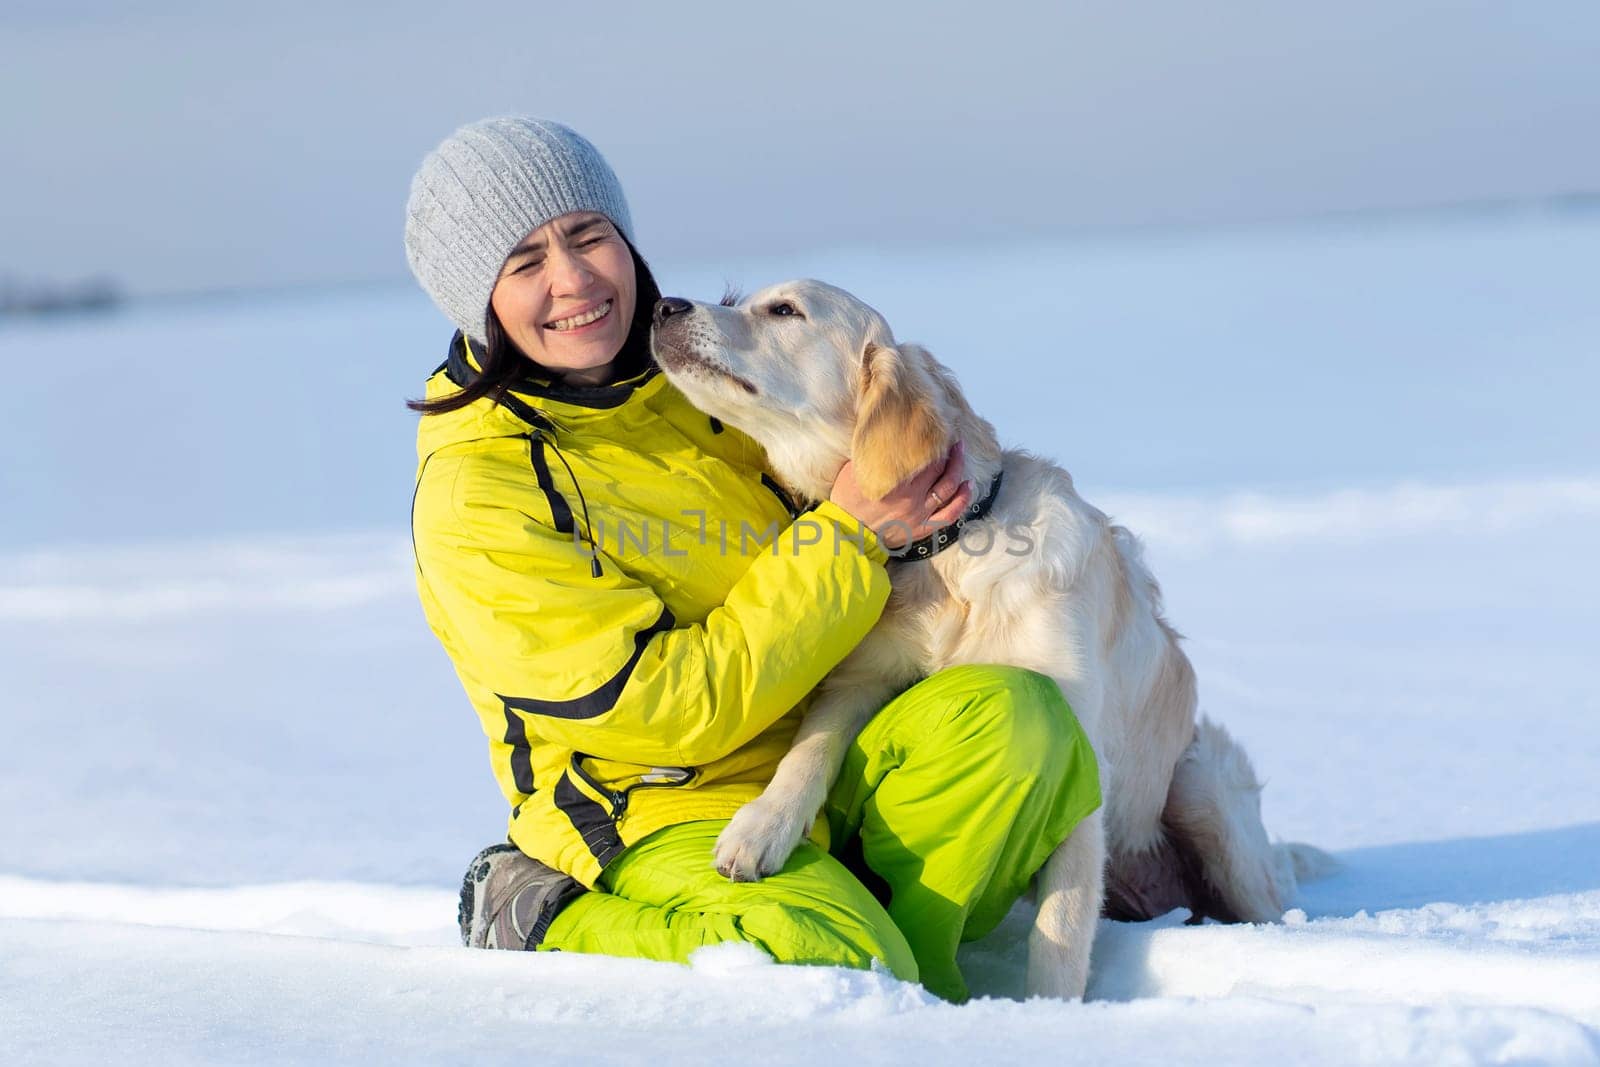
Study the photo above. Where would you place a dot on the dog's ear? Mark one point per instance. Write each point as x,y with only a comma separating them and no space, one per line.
900,424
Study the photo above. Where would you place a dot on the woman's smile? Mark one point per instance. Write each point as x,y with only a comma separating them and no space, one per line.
585,318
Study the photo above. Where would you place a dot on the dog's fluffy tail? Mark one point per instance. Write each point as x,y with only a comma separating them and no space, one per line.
1214,811
1302,862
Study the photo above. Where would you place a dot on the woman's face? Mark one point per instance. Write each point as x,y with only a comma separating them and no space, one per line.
566,296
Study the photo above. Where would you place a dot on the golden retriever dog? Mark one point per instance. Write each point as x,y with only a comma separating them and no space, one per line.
1040,579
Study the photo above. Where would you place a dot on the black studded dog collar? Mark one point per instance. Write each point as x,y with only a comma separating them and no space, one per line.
941,539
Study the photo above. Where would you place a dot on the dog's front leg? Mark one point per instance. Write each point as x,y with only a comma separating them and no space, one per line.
764,832
1069,890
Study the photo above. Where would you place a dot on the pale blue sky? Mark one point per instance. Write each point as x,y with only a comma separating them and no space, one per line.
188,145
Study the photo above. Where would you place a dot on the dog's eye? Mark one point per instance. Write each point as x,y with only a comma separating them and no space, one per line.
784,308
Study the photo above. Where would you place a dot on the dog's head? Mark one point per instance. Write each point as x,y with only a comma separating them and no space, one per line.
815,376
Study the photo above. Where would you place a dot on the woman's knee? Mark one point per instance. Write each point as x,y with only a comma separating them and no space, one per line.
1023,715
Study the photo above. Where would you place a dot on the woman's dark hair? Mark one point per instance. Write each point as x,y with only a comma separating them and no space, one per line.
503,364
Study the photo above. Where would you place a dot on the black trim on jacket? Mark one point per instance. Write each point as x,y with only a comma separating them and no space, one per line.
602,699
560,510
521,752
591,820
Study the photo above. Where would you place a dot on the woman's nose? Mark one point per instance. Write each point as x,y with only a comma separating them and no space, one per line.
567,272
669,306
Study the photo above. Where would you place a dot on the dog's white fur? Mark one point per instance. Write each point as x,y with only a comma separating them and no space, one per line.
1181,822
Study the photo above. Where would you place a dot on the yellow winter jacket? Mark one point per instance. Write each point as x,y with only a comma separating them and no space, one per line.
634,609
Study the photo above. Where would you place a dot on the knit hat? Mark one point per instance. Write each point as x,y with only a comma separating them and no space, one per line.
486,188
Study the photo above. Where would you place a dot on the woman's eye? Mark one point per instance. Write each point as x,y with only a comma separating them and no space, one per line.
783,309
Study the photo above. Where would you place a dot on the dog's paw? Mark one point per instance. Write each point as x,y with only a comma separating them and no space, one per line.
758,841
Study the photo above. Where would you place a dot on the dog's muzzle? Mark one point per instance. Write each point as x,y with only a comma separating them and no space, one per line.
669,306
668,319
673,339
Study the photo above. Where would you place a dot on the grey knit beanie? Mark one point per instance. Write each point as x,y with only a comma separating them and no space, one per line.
483,190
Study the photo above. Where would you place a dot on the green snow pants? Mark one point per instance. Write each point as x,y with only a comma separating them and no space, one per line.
952,797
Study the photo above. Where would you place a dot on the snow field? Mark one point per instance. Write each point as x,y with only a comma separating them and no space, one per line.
241,781
182,996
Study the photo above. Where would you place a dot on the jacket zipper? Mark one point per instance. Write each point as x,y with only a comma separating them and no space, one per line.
618,798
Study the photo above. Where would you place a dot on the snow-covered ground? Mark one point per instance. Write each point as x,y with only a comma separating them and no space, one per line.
240,781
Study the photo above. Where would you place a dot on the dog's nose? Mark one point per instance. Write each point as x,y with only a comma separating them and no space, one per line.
669,306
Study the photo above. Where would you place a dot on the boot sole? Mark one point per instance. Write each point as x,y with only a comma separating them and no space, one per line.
469,913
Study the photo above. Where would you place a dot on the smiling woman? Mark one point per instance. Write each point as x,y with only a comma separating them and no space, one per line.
566,296
634,701
568,303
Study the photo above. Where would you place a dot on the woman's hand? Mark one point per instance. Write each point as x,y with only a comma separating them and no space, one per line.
930,499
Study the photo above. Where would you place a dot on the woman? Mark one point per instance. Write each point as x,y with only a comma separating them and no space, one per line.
607,568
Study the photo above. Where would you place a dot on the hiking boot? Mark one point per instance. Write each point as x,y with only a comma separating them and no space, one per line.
508,900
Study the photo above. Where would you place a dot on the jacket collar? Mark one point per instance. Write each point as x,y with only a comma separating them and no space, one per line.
461,366
533,405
